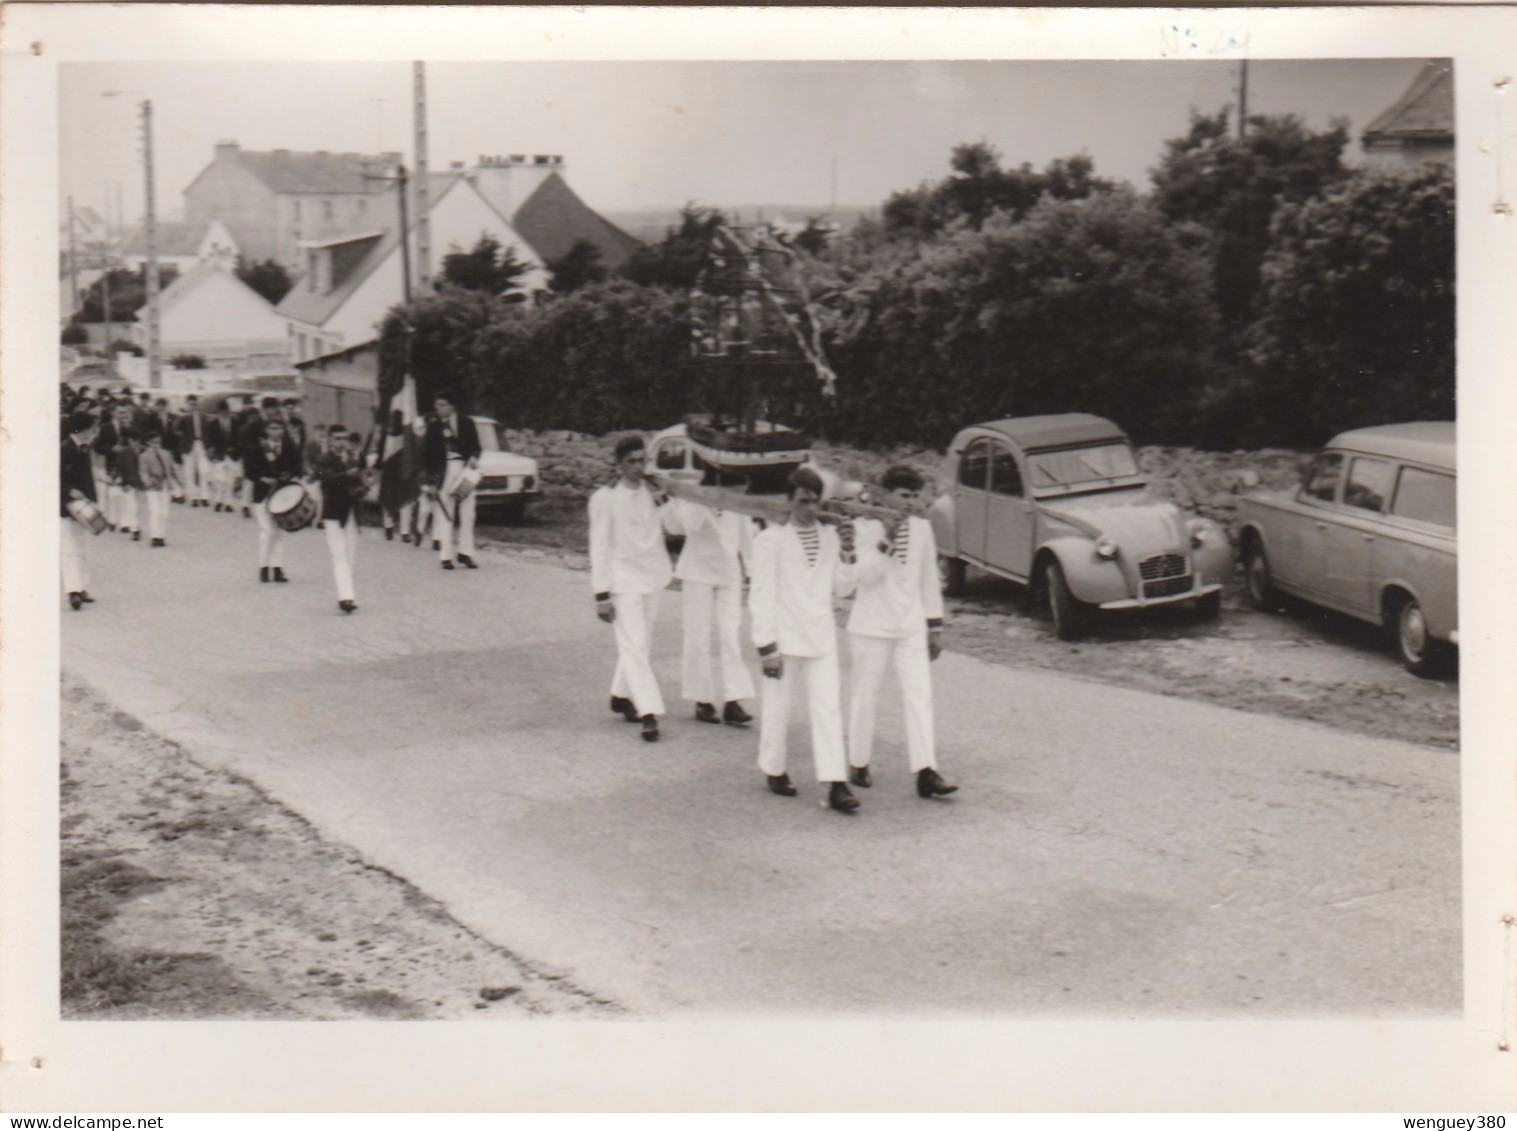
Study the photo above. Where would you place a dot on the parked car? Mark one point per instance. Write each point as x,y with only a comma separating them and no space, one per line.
1371,533
1058,504
508,480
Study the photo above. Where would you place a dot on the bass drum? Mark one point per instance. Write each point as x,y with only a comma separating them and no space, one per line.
88,515
292,507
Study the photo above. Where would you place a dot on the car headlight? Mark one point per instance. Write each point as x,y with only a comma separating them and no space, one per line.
1106,548
1198,529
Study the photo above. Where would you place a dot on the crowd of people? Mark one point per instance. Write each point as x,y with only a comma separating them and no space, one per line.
795,570
127,458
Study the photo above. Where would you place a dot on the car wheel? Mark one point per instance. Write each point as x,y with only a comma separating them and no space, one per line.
951,574
1209,607
1071,616
1262,593
1420,653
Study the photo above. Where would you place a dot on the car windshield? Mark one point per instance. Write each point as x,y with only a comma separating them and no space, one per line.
1076,466
489,439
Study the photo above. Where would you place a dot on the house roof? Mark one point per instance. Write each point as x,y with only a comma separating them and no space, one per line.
191,279
1425,111
306,305
554,218
171,238
287,171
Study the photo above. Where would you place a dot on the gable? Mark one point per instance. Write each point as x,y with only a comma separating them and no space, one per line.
1425,111
553,219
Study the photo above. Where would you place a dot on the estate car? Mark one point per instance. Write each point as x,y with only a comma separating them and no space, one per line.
1371,533
1058,503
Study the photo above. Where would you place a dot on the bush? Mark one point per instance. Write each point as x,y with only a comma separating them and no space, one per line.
187,361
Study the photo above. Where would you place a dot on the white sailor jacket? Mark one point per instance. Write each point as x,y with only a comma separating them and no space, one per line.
895,599
718,546
627,551
790,599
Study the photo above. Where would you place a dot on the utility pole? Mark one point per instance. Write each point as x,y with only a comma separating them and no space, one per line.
423,182
154,379
1242,98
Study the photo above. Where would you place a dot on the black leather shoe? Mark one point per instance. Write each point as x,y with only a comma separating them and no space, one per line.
625,709
734,715
246,513
841,799
447,564
706,713
84,595
389,534
158,542
467,562
650,728
931,784
136,536
406,538
263,573
347,606
279,574
859,776
780,784
76,600
436,545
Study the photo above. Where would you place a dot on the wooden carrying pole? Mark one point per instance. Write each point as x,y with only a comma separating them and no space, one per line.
775,508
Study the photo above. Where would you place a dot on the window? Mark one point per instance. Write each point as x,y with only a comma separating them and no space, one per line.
1005,478
1426,496
974,465
1323,483
1102,463
1368,485
670,456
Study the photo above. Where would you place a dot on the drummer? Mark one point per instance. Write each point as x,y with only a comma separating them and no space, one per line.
449,449
268,461
340,472
78,482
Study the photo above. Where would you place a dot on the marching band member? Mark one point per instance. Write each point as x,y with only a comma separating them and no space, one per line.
450,447
78,482
897,619
268,461
718,546
247,429
159,478
295,429
126,476
340,473
225,474
798,568
194,444
629,570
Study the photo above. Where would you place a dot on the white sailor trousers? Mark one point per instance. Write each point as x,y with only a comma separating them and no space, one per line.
342,543
820,675
75,557
871,656
442,525
157,512
270,537
636,616
702,679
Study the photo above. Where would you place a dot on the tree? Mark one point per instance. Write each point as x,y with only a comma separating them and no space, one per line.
187,361
74,335
1356,322
1232,186
578,266
268,277
128,294
488,267
980,188
676,260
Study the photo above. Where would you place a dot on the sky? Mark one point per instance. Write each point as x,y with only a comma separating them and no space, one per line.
657,135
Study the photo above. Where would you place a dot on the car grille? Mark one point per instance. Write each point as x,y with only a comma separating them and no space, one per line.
1166,588
1162,566
495,483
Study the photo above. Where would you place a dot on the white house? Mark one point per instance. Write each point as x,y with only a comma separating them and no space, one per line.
211,313
183,245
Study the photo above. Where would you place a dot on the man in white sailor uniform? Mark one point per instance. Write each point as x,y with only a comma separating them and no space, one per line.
718,547
897,619
451,446
799,567
194,446
629,570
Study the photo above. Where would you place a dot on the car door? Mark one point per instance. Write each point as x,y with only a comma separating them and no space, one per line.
1008,516
1351,534
1299,556
971,494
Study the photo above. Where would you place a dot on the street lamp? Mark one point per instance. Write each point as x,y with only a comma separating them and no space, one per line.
150,228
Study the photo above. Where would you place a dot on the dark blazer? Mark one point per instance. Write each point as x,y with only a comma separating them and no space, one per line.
342,485
268,473
184,429
78,473
216,437
434,453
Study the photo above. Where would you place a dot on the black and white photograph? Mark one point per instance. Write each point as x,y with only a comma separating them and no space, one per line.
912,543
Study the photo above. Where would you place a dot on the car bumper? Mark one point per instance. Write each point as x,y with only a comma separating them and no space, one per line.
1169,599
505,495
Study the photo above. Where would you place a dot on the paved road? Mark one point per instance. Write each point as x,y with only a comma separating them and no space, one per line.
1111,852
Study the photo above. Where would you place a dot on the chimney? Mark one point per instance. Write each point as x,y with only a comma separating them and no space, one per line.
506,182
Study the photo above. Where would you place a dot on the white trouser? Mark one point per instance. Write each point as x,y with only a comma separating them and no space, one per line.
636,615
75,556
404,517
247,491
270,537
219,477
871,655
197,472
342,542
124,505
702,605
820,674
442,526
157,512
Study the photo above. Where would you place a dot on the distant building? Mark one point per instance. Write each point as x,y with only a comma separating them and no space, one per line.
1419,126
185,245
271,201
533,194
210,313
